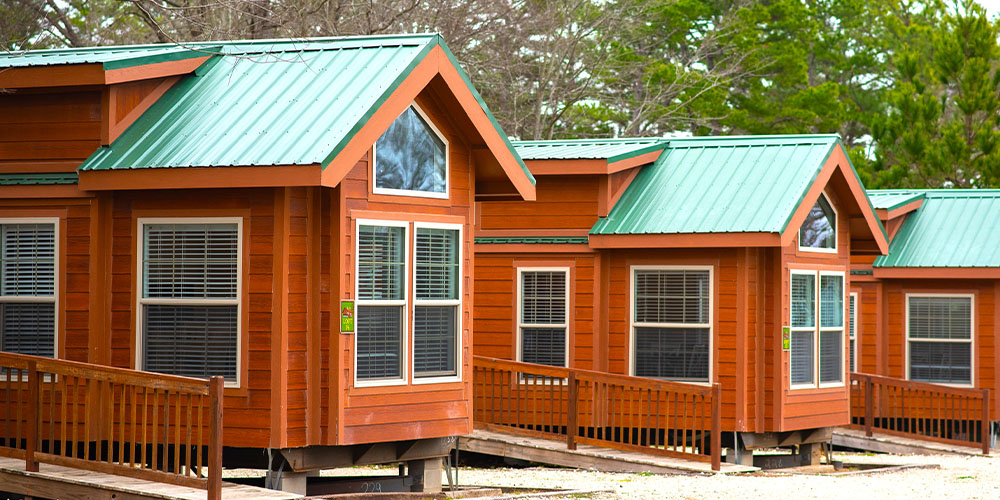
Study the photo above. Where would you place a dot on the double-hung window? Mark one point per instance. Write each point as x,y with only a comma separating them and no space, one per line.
437,301
189,300
543,315
817,328
939,338
28,286
381,302
672,323
852,329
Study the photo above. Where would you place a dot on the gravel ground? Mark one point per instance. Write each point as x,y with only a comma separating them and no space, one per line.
957,478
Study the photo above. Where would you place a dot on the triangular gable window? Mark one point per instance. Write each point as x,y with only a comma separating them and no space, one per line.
411,157
819,230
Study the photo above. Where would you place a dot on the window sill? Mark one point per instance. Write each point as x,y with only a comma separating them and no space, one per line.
437,380
379,383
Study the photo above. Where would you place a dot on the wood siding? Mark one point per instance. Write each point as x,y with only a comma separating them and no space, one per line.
563,203
48,132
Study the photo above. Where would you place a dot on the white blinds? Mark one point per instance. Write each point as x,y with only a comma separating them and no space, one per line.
193,341
803,300
437,264
802,354
672,323
434,338
940,317
543,297
28,260
672,353
851,328
28,328
940,339
379,342
669,296
381,262
196,261
435,312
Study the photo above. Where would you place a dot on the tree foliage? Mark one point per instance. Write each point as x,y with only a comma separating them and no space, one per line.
910,85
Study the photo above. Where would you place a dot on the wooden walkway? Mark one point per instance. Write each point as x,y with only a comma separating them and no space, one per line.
53,481
887,443
584,457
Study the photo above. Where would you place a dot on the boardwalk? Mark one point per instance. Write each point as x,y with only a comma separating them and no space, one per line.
887,443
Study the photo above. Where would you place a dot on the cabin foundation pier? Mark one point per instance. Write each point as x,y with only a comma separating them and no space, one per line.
424,475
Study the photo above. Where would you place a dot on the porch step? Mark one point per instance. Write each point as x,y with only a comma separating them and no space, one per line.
888,443
53,481
584,457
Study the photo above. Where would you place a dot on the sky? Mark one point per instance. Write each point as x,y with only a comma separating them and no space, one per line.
992,7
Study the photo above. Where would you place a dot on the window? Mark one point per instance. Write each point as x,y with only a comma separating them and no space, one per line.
543,315
939,338
381,302
189,302
437,301
819,231
28,287
411,157
672,323
852,319
817,355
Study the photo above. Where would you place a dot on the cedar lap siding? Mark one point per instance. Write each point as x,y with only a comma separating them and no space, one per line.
943,243
98,139
605,206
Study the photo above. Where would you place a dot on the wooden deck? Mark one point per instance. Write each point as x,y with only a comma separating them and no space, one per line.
584,456
889,443
53,481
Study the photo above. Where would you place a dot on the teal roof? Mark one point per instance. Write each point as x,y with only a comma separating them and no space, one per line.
952,228
109,57
720,185
38,179
270,102
611,150
890,199
535,240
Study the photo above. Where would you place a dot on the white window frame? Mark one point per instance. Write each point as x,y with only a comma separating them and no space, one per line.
459,338
971,341
409,192
141,224
520,310
404,323
54,299
818,329
632,324
852,336
836,230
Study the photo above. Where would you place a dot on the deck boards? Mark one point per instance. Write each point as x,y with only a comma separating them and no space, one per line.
53,481
887,443
584,457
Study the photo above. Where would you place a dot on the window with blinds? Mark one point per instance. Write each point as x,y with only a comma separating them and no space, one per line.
671,324
852,318
543,315
27,288
189,302
381,302
939,337
436,303
817,328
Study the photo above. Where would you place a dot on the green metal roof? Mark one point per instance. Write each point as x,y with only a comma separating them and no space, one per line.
952,228
890,199
533,240
611,150
271,102
38,179
720,185
109,57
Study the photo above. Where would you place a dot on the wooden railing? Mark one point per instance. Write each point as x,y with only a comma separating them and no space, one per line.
588,407
117,421
920,410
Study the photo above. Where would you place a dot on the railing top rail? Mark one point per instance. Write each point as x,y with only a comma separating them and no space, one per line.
594,376
920,386
126,376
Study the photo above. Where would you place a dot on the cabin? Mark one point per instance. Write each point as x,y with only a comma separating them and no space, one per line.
926,313
292,219
708,263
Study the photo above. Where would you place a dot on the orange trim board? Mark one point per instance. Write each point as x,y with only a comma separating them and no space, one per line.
886,214
93,74
435,63
589,166
200,177
837,160
938,272
686,240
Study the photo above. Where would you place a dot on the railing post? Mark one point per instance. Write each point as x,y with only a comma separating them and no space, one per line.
716,427
869,404
31,436
984,432
216,385
571,424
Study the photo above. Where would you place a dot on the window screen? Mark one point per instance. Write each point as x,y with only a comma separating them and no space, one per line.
940,339
435,321
831,331
543,322
381,302
27,298
671,324
819,230
411,157
183,266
